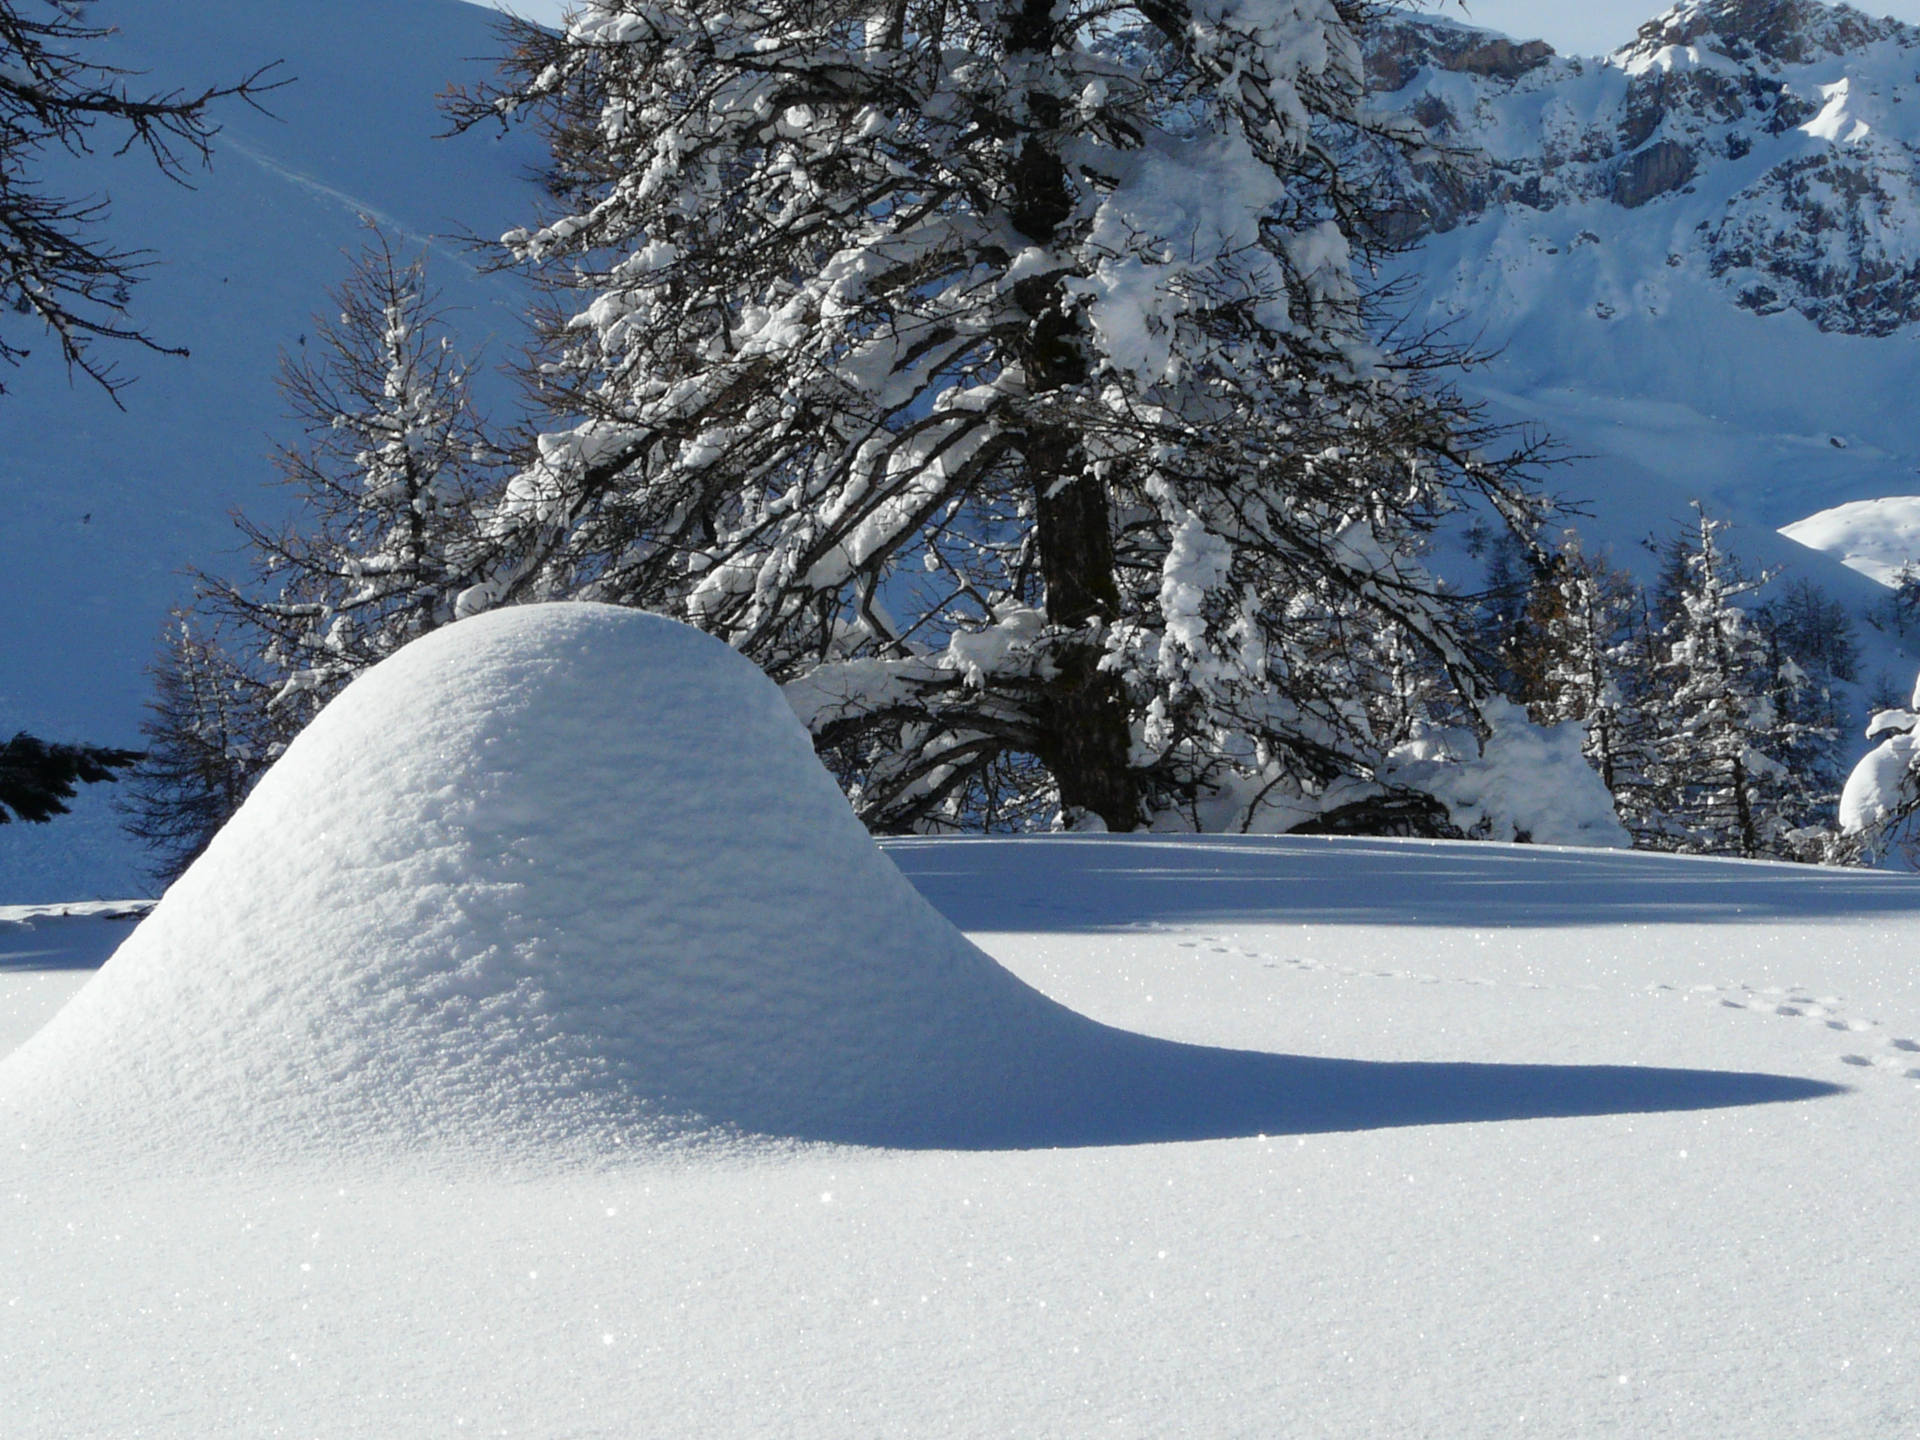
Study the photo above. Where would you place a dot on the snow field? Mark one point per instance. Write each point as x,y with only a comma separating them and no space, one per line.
44,952
499,1071
1736,1270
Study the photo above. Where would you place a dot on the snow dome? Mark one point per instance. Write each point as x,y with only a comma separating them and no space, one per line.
556,874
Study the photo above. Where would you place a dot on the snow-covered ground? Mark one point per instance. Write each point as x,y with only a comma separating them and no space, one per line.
545,1050
1473,1265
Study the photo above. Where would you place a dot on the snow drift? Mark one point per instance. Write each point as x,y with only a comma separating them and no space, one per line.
568,879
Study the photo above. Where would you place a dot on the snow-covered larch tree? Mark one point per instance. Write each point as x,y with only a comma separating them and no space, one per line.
1576,656
392,464
393,459
210,735
1723,766
999,375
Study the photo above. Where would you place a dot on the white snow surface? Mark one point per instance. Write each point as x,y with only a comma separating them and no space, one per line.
1879,538
1641,1268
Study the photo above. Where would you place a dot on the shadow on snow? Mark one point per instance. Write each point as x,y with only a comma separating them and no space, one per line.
1107,882
60,942
1154,1091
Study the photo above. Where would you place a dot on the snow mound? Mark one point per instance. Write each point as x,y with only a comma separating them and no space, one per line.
556,874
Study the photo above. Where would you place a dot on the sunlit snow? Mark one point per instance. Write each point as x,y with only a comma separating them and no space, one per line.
1744,1267
1879,538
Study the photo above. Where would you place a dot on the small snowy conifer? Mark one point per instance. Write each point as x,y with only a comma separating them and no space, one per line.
1723,766
1882,794
37,777
387,477
1575,656
387,481
209,736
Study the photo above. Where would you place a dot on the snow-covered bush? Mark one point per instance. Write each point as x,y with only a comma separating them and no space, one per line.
1882,794
1522,782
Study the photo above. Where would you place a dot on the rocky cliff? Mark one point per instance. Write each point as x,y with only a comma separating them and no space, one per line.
1775,142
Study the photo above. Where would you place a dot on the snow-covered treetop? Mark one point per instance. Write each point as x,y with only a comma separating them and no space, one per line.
968,345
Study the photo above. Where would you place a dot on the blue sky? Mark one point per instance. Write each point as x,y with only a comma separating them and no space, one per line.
1573,27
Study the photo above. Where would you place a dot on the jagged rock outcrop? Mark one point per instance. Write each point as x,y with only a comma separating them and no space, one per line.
1416,42
1784,124
1661,166
1781,32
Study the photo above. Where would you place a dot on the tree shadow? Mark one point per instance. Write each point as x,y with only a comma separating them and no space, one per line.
60,942
1105,882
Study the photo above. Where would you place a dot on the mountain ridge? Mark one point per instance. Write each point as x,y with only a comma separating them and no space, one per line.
1787,113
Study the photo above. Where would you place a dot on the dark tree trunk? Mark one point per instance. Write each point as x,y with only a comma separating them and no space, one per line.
1082,712
1082,715
1743,811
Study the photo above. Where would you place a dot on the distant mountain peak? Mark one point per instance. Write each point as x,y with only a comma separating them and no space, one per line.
1762,32
1776,142
1413,41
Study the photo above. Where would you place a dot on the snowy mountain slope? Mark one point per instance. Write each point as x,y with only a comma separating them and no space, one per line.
1741,1270
1777,131
103,510
1879,538
1697,261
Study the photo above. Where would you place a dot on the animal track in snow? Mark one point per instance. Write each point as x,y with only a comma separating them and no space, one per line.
1215,945
1798,1002
1787,1002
